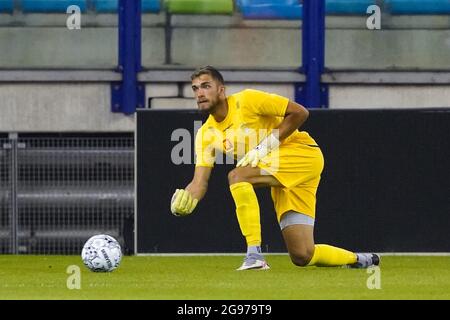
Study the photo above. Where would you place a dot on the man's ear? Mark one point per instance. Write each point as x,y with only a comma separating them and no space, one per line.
222,90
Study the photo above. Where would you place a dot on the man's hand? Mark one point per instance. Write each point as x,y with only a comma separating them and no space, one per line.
252,157
260,151
182,203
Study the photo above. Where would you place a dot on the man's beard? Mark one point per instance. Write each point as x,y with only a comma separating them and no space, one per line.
209,110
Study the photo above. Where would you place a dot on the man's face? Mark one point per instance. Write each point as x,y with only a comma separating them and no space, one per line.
207,92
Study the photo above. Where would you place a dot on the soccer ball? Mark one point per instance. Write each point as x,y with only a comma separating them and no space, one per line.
101,253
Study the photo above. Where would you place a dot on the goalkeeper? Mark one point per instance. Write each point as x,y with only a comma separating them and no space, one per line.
260,130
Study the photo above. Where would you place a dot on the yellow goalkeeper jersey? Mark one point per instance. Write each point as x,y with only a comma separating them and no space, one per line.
252,115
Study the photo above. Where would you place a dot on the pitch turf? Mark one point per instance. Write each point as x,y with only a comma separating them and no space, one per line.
214,278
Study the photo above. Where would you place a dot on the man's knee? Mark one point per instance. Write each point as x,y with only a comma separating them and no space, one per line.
302,256
237,175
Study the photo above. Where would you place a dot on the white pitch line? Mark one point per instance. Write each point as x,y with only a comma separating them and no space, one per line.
413,254
199,254
420,254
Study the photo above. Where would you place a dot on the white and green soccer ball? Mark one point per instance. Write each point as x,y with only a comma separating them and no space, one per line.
101,253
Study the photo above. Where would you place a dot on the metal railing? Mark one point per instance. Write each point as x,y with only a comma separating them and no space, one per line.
56,192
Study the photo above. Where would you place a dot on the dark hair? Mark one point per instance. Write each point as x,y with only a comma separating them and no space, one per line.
213,72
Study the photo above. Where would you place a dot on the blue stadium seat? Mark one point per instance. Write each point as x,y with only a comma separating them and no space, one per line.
348,7
51,6
418,6
293,9
6,5
270,9
110,6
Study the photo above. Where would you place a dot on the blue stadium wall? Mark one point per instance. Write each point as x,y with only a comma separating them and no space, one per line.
385,186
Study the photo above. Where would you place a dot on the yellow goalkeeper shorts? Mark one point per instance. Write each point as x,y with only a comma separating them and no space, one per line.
297,166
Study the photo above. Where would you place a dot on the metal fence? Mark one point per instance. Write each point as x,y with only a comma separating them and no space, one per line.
56,192
5,195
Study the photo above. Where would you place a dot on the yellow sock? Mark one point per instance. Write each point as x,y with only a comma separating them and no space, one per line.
329,256
247,211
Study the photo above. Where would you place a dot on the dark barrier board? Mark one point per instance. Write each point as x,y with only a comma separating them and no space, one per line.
385,186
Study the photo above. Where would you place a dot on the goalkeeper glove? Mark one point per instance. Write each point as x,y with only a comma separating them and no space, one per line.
260,151
182,203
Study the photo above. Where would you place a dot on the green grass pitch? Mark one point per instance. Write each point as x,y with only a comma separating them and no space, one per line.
214,278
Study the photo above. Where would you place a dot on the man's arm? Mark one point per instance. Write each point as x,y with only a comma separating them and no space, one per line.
294,118
199,184
185,200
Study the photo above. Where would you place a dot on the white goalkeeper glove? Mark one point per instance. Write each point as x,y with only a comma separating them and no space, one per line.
182,203
260,151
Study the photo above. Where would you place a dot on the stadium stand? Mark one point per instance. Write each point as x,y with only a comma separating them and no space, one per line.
6,6
418,6
199,6
110,6
250,9
51,6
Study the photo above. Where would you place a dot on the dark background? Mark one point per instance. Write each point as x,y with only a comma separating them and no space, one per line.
385,186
